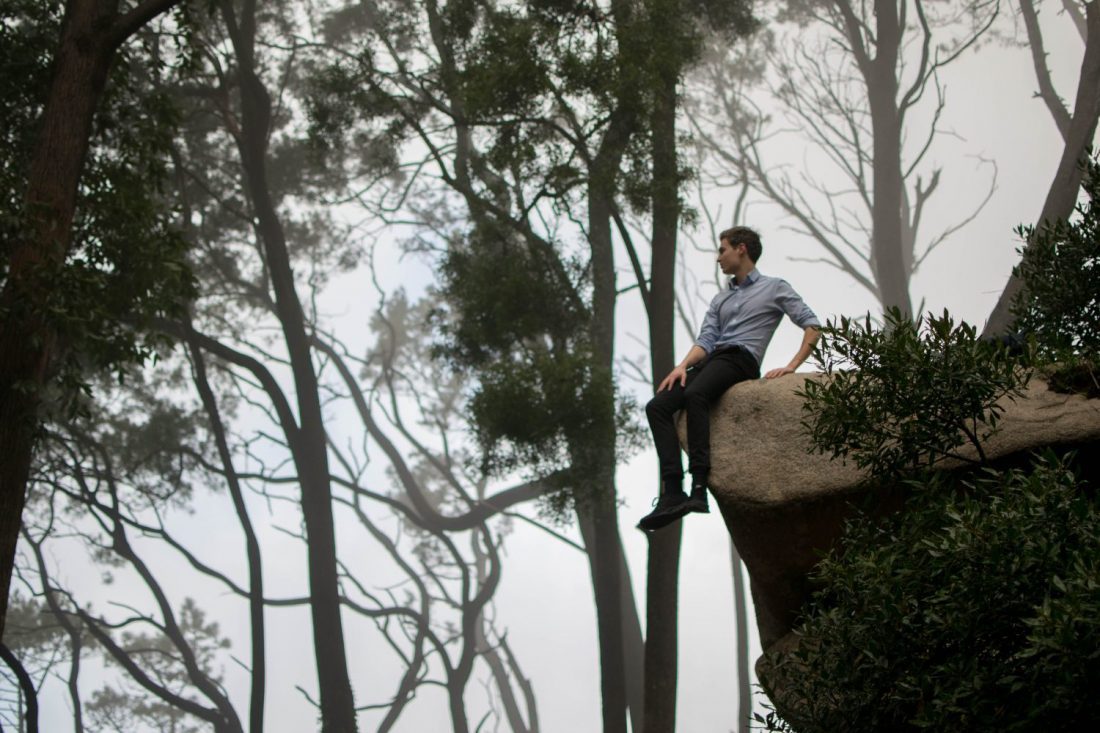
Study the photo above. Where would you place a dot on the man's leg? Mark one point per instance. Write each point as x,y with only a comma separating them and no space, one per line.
661,412
722,370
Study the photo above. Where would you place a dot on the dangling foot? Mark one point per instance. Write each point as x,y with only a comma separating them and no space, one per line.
671,505
697,502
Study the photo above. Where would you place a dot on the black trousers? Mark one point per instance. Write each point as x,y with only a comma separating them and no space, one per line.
706,382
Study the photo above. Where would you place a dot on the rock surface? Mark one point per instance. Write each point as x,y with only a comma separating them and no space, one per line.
784,505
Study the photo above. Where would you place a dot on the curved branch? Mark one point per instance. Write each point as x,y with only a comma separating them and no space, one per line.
30,695
270,385
479,512
130,23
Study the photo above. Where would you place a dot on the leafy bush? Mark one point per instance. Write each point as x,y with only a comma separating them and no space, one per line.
1058,307
977,608
902,397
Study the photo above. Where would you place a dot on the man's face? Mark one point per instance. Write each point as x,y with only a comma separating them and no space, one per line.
730,256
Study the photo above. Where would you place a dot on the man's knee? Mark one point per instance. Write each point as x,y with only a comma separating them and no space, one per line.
661,406
695,398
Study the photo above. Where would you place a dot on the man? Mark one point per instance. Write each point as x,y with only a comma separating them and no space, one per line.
736,330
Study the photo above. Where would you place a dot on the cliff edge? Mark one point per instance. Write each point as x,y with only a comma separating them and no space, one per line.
784,506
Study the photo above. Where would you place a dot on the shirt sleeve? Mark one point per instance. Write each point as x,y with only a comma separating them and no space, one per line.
708,334
795,308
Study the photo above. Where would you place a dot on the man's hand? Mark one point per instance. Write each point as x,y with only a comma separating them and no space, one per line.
778,372
679,374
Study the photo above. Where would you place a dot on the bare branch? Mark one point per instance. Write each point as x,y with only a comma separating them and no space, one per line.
1047,93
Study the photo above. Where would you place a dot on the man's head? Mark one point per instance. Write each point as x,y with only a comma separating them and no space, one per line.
743,235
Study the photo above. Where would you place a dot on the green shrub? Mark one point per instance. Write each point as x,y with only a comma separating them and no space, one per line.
900,398
977,608
1058,307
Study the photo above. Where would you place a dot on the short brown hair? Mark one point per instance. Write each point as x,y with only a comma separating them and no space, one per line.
745,236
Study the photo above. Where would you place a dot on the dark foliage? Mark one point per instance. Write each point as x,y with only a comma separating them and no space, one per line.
902,397
522,331
128,260
1058,308
976,608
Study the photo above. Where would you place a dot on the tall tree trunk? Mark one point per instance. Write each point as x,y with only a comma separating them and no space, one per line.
604,562
1066,186
663,565
485,648
308,445
888,258
633,647
91,33
741,614
633,643
598,459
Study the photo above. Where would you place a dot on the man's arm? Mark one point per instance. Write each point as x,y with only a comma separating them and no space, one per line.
809,338
679,373
708,334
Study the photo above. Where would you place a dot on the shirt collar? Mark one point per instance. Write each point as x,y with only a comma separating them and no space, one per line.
752,277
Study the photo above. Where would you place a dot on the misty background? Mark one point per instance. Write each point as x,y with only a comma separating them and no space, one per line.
169,545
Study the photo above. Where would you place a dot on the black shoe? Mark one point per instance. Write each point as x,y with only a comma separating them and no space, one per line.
697,502
671,505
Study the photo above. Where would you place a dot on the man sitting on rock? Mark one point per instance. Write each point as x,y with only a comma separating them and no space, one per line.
736,330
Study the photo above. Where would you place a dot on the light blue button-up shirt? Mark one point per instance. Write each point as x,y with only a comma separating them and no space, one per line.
747,315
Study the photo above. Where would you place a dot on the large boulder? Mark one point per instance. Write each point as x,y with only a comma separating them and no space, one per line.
785,506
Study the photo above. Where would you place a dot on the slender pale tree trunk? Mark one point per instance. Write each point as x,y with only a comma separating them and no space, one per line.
741,615
888,258
633,647
257,627
598,459
76,641
308,444
631,627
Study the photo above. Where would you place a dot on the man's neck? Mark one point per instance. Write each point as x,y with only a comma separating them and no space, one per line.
741,273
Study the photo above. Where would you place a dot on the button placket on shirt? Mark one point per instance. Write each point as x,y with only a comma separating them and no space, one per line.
734,303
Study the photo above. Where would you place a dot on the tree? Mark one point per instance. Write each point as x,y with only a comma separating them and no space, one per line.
29,652
494,64
675,48
116,482
306,433
543,137
1078,129
1056,305
846,80
222,196
42,233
